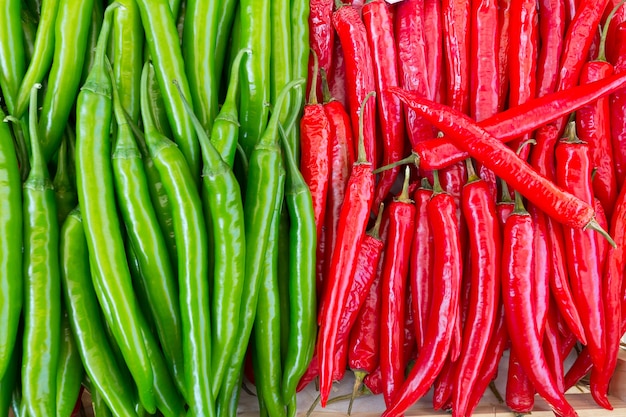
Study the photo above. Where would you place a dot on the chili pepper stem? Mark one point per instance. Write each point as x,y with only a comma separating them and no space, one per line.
436,183
471,172
359,376
519,204
496,393
411,159
605,30
312,407
362,156
594,225
313,91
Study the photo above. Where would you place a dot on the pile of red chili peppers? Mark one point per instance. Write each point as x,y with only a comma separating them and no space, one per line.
200,196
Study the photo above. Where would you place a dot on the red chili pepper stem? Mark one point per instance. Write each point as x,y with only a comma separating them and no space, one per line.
605,30
362,155
437,189
505,194
471,172
313,91
326,94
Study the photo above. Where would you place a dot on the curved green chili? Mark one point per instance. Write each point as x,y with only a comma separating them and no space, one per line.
280,62
302,298
96,195
85,319
97,15
225,217
10,245
191,243
29,30
11,51
146,239
255,93
70,37
42,55
165,52
199,34
225,17
225,130
261,192
8,381
42,286
266,355
70,372
64,188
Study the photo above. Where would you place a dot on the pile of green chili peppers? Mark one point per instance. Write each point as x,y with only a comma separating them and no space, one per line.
148,183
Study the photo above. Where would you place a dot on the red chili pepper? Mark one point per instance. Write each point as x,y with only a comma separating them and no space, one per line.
504,18
434,52
570,10
552,345
321,37
444,384
441,152
574,174
554,201
619,18
484,242
484,81
489,369
517,292
411,43
379,26
374,381
551,33
522,59
612,290
603,245
395,271
337,76
421,263
617,104
520,393
364,275
360,80
447,272
355,212
593,126
456,42
542,267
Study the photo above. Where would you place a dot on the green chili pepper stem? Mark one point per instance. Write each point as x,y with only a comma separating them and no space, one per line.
98,77
375,231
313,91
270,136
605,30
472,176
233,83
506,194
295,181
37,161
12,60
519,205
411,159
362,155
404,194
436,183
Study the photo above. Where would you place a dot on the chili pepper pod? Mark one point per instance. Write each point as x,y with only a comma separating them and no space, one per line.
447,273
552,345
617,101
360,79
69,373
485,246
321,40
504,18
301,281
484,68
573,161
551,33
520,392
12,62
557,203
456,42
434,50
421,263
378,22
516,292
11,289
394,277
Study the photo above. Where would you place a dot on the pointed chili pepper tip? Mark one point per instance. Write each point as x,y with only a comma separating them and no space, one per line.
594,225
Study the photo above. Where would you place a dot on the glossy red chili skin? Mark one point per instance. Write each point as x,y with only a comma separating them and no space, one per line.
379,26
434,52
352,222
554,201
617,103
542,267
444,384
479,210
593,126
374,381
603,244
516,292
321,35
421,265
484,71
337,76
456,42
520,393
447,274
613,52
613,283
394,277
574,173
504,18
364,275
360,79
551,33
410,36
341,160
552,346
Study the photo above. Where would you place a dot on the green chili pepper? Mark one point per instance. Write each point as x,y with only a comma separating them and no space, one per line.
64,187
147,242
127,41
280,63
29,30
199,34
225,17
85,319
11,51
11,285
9,380
42,54
266,357
97,15
302,300
96,196
42,309
70,48
225,216
157,107
165,51
192,246
70,372
283,279
225,130
255,93
261,192
98,405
